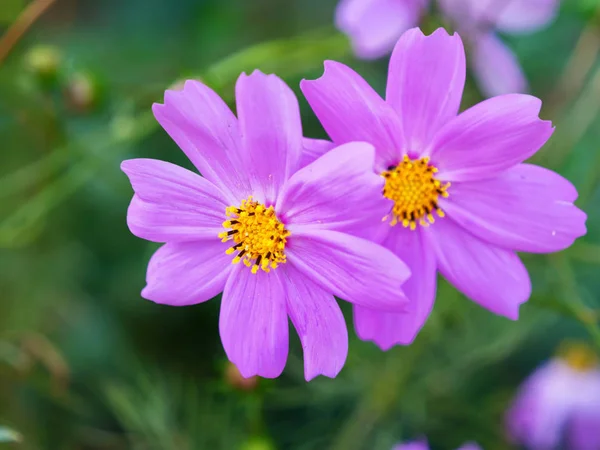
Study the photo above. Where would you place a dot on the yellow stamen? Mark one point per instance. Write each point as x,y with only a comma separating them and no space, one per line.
578,355
257,234
415,192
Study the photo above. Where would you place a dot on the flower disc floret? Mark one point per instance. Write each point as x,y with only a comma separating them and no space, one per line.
258,235
415,192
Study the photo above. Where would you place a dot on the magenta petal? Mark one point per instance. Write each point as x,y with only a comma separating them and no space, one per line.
172,203
253,322
269,118
389,329
496,67
338,191
425,84
186,273
584,433
413,445
206,130
351,268
350,110
490,276
527,208
313,149
319,322
490,137
374,26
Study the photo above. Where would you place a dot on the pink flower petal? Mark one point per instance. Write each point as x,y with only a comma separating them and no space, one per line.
350,110
425,84
206,130
172,203
352,268
339,191
489,138
269,118
490,276
527,209
313,149
374,26
319,322
389,329
496,67
413,445
253,322
526,16
186,273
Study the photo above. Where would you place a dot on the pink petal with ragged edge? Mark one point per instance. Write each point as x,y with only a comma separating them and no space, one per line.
496,67
353,269
319,322
206,130
489,138
350,110
186,273
389,329
425,84
527,208
313,149
253,322
271,129
338,191
374,26
490,276
171,203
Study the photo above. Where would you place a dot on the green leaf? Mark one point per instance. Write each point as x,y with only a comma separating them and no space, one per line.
8,435
9,10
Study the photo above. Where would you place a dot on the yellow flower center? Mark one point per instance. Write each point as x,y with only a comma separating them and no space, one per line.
578,356
258,236
415,192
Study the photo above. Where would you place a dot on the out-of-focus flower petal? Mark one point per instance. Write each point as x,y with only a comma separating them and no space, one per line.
271,130
186,273
389,329
425,84
526,208
354,269
171,203
374,26
496,67
253,322
319,322
547,400
526,16
338,191
489,138
313,149
414,445
350,110
469,446
206,130
490,276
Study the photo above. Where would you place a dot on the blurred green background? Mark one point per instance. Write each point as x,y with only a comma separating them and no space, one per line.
86,363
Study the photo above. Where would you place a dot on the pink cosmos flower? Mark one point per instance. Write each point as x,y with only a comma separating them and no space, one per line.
374,26
423,445
288,227
464,203
560,398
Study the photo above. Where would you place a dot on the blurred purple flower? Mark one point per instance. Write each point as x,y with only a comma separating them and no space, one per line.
561,398
375,25
422,445
252,205
467,167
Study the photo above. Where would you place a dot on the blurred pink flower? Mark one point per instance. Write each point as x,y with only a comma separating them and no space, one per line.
375,25
463,171
422,445
288,226
560,399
